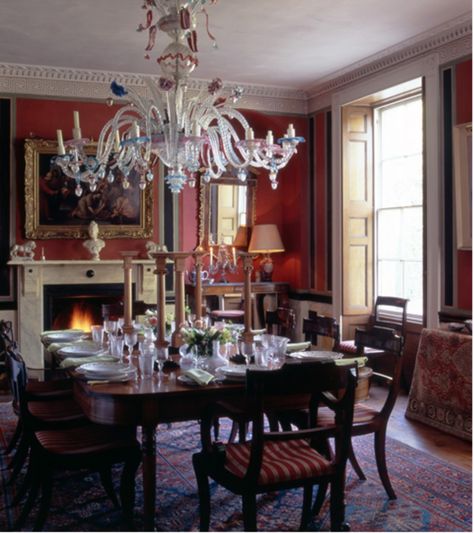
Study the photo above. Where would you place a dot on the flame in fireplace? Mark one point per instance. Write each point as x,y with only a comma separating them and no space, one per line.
81,317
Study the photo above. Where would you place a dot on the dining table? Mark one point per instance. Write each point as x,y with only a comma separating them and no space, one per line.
162,398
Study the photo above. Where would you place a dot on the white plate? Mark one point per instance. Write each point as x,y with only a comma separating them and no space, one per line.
64,336
81,349
238,371
116,378
106,368
315,356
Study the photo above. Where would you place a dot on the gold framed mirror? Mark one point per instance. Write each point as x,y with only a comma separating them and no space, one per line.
227,210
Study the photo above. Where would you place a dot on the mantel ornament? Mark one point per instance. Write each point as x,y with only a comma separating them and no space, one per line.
24,252
94,245
153,248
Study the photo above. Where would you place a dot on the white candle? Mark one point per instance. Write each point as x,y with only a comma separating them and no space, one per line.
197,130
233,255
136,130
76,119
269,137
76,131
291,131
249,136
117,141
211,255
61,149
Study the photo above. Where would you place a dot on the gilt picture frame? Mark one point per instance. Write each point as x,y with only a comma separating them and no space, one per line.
462,156
54,211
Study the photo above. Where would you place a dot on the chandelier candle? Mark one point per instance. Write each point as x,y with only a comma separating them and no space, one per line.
188,132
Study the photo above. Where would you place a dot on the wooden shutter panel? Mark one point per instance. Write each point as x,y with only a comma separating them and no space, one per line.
357,221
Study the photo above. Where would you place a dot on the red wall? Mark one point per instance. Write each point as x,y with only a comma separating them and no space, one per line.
41,119
320,202
287,206
463,92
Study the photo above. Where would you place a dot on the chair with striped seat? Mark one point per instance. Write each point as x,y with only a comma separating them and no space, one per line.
281,460
93,447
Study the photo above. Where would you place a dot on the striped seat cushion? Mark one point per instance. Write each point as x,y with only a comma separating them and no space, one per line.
282,461
362,415
90,439
61,410
235,313
347,347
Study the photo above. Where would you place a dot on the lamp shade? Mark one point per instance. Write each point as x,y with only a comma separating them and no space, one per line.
241,238
265,239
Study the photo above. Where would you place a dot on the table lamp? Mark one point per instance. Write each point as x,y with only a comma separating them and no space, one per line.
266,240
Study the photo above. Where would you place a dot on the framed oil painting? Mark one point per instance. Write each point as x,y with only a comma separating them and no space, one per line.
462,152
52,209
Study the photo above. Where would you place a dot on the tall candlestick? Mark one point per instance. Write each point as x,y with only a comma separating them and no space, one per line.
61,149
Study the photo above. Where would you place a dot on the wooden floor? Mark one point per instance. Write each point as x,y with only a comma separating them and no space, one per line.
421,436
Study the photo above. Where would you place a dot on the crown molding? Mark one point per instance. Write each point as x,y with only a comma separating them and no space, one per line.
38,80
451,40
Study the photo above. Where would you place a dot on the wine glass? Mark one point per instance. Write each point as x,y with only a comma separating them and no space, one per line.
130,340
247,349
161,358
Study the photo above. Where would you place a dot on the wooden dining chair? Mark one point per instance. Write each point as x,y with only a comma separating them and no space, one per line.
92,447
280,460
366,419
36,408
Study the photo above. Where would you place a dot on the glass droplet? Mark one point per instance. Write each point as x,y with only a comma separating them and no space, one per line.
110,177
125,184
142,185
78,191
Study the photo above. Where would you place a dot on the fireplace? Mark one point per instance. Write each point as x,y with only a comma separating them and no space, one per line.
79,306
48,288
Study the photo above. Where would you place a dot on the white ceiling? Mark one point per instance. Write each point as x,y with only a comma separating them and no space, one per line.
286,43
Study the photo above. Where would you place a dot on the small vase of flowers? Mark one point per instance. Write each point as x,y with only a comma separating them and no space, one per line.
204,343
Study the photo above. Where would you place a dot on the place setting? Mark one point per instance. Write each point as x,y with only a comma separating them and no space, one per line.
107,372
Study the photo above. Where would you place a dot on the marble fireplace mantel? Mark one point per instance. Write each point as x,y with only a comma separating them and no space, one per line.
32,276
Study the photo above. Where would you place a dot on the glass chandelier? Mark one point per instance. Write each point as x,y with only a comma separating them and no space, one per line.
187,133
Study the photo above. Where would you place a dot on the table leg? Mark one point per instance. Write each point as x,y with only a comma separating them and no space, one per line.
149,476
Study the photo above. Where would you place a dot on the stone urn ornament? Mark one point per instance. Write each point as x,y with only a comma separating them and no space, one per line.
94,245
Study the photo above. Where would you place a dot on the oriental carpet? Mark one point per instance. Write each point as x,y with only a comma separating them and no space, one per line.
432,494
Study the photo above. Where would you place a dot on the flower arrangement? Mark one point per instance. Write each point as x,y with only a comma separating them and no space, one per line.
202,338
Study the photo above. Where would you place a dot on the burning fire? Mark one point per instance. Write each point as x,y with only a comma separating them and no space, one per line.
81,317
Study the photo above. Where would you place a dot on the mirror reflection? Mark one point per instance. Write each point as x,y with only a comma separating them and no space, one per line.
227,211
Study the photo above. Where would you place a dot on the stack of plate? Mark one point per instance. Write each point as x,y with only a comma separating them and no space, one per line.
69,335
107,371
237,372
82,349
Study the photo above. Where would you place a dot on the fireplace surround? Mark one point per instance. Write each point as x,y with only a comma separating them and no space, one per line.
34,276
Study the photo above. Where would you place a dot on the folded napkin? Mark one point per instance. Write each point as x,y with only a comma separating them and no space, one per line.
201,377
297,346
351,360
77,361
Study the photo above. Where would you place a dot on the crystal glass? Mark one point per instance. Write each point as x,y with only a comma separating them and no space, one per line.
146,360
247,349
116,345
130,341
110,326
97,332
161,358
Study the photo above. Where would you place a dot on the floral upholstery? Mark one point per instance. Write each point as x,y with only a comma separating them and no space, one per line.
441,390
282,461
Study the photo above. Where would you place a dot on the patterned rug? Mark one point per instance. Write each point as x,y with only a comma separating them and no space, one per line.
432,495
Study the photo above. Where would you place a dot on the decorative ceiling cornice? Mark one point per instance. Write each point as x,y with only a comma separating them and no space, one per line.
38,80
451,40
455,34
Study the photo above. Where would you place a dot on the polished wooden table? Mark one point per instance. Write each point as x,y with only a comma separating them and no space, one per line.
146,403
